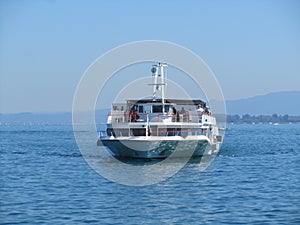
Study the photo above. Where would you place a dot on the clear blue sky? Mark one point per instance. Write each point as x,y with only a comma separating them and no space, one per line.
253,47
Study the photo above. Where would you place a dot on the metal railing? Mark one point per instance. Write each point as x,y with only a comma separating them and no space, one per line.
161,132
160,117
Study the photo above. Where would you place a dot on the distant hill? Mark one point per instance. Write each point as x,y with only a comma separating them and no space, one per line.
278,102
47,118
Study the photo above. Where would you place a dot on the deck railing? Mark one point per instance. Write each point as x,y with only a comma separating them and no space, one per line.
155,132
160,117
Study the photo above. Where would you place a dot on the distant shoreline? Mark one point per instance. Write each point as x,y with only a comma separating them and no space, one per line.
275,118
66,119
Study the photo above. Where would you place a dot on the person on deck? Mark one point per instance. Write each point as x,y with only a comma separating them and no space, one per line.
207,110
200,109
135,116
185,115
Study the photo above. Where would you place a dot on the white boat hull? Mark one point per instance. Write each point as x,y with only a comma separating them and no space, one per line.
159,147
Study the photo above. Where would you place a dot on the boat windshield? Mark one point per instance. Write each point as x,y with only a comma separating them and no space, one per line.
157,108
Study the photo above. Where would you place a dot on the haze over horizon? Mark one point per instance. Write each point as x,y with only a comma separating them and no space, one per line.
252,47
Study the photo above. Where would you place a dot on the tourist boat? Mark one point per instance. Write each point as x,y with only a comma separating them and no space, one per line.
159,127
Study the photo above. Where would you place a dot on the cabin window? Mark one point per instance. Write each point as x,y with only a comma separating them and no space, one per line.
171,131
117,132
138,132
147,108
162,131
167,108
196,131
157,108
141,109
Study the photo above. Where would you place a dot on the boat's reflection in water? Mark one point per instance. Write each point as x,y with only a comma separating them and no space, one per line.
141,172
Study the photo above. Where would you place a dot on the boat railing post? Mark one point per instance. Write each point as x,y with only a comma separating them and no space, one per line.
147,125
162,85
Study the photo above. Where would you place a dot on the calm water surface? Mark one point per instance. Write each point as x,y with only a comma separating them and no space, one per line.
254,179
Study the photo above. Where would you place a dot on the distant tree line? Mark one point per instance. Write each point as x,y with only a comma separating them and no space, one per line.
246,118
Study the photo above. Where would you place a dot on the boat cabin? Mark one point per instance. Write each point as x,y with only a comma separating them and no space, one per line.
174,117
170,111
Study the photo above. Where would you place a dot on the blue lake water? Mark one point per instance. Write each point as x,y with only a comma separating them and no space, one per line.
254,179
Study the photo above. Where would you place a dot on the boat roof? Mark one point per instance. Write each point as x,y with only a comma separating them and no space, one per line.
168,101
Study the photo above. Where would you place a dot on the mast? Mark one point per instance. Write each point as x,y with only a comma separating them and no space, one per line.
154,71
162,74
159,85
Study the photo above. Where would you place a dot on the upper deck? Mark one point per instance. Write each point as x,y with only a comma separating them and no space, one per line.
172,111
